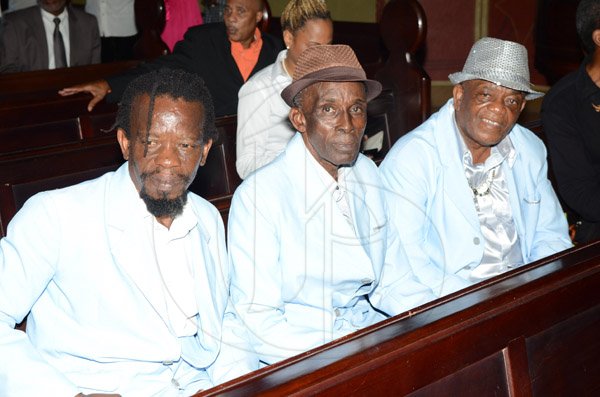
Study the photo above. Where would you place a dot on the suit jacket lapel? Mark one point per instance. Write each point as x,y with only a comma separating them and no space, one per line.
130,244
74,34
361,216
206,275
39,38
456,187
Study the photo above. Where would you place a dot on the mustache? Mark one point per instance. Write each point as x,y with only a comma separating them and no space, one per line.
146,175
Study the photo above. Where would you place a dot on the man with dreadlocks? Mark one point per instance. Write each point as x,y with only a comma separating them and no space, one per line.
125,276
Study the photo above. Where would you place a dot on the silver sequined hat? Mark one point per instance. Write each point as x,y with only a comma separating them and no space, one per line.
499,61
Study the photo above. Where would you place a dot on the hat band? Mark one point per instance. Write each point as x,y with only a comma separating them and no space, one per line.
335,73
502,75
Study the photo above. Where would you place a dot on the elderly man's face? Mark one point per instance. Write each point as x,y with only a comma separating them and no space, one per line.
332,118
164,160
241,18
485,113
54,7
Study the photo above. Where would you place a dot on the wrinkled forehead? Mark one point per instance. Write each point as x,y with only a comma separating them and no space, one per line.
144,109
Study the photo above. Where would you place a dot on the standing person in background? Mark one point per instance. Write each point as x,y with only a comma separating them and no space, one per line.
571,119
50,35
224,54
180,15
116,19
263,128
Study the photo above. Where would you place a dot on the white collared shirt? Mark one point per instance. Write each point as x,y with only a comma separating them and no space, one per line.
263,128
172,252
116,18
48,20
502,249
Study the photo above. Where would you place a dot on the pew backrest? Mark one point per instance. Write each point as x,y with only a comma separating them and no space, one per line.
24,174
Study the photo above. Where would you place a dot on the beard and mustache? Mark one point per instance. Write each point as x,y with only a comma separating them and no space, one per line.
164,206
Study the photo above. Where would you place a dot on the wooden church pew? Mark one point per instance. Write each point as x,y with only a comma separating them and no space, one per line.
529,332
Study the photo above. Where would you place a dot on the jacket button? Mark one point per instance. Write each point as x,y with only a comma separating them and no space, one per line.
476,241
337,312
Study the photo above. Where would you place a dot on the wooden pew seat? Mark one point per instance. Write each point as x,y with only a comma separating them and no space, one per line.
529,332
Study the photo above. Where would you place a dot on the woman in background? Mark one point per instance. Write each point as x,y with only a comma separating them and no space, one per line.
263,129
180,15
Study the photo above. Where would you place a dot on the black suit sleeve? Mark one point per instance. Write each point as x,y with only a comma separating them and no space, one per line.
206,51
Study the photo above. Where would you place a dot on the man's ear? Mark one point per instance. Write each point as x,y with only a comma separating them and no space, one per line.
457,94
205,149
259,16
297,119
123,142
596,38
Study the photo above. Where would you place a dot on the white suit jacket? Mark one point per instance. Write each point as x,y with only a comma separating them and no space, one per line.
80,258
298,279
432,204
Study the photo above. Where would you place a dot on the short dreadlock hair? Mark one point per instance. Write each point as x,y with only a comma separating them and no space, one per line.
587,20
174,83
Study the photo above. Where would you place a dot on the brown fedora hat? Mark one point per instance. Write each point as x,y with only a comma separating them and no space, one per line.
328,63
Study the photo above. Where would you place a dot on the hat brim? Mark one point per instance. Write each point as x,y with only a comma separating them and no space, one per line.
459,77
334,74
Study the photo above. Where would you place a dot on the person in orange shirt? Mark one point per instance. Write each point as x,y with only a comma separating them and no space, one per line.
210,50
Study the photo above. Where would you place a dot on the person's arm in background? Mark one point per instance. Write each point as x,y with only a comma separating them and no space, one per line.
187,56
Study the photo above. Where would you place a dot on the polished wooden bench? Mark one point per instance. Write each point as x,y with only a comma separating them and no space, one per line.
530,332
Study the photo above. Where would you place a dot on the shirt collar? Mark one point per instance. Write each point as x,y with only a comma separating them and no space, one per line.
50,17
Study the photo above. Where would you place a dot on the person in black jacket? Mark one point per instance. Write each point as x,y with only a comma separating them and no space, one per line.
221,53
571,120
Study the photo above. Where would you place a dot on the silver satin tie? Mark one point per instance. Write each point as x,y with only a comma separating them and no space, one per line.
60,58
